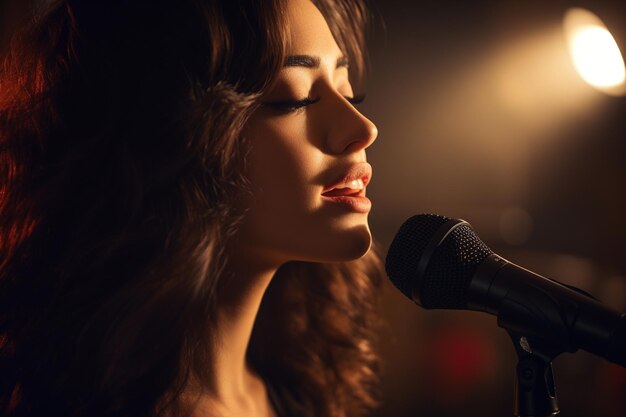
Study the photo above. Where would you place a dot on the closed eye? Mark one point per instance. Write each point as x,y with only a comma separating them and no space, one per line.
289,106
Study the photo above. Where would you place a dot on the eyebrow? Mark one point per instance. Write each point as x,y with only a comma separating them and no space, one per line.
310,61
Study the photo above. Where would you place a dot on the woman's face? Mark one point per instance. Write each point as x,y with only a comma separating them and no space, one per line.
307,165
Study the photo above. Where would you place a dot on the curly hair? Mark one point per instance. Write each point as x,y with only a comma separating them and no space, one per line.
121,164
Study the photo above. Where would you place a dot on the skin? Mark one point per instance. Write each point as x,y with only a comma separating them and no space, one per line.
294,156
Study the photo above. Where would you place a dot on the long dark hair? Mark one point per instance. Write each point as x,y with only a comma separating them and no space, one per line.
121,160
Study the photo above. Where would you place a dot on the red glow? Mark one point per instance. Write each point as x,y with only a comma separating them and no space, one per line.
461,359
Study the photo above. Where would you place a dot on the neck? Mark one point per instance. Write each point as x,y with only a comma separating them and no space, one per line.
240,302
235,387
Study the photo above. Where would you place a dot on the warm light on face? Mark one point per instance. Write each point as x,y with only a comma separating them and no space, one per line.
594,52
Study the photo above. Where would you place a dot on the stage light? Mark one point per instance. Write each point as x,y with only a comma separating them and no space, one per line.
594,52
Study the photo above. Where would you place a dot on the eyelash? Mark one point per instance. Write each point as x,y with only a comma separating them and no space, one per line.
292,106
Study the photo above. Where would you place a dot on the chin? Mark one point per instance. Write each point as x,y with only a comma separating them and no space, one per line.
359,246
339,242
347,246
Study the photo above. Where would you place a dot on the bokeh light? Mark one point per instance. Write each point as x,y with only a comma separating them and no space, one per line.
594,52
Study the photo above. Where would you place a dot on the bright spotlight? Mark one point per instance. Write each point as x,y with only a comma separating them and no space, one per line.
594,52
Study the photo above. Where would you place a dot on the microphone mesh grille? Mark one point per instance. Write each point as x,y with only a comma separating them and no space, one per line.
451,268
407,247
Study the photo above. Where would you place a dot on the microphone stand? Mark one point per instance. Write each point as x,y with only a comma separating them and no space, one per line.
535,393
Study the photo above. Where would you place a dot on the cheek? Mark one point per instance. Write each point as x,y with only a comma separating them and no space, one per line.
283,167
283,171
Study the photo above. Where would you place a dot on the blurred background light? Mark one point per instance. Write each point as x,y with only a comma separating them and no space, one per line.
516,225
594,52
484,116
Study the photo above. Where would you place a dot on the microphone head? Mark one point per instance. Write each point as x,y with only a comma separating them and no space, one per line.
432,260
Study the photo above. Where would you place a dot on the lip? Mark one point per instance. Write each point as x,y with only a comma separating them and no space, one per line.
356,202
361,171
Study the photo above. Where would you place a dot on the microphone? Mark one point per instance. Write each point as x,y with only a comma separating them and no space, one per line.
440,263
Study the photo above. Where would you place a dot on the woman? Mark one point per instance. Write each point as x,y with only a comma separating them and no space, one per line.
182,215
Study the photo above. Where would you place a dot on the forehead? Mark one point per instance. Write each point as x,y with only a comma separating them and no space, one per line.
308,31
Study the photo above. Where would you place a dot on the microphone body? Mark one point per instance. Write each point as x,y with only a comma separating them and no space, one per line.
441,263
537,307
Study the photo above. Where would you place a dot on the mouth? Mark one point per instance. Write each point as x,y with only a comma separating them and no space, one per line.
354,188
348,192
351,182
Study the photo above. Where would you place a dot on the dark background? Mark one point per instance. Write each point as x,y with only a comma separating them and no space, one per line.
482,117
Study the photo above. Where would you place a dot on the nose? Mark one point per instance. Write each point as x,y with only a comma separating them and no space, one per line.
350,131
